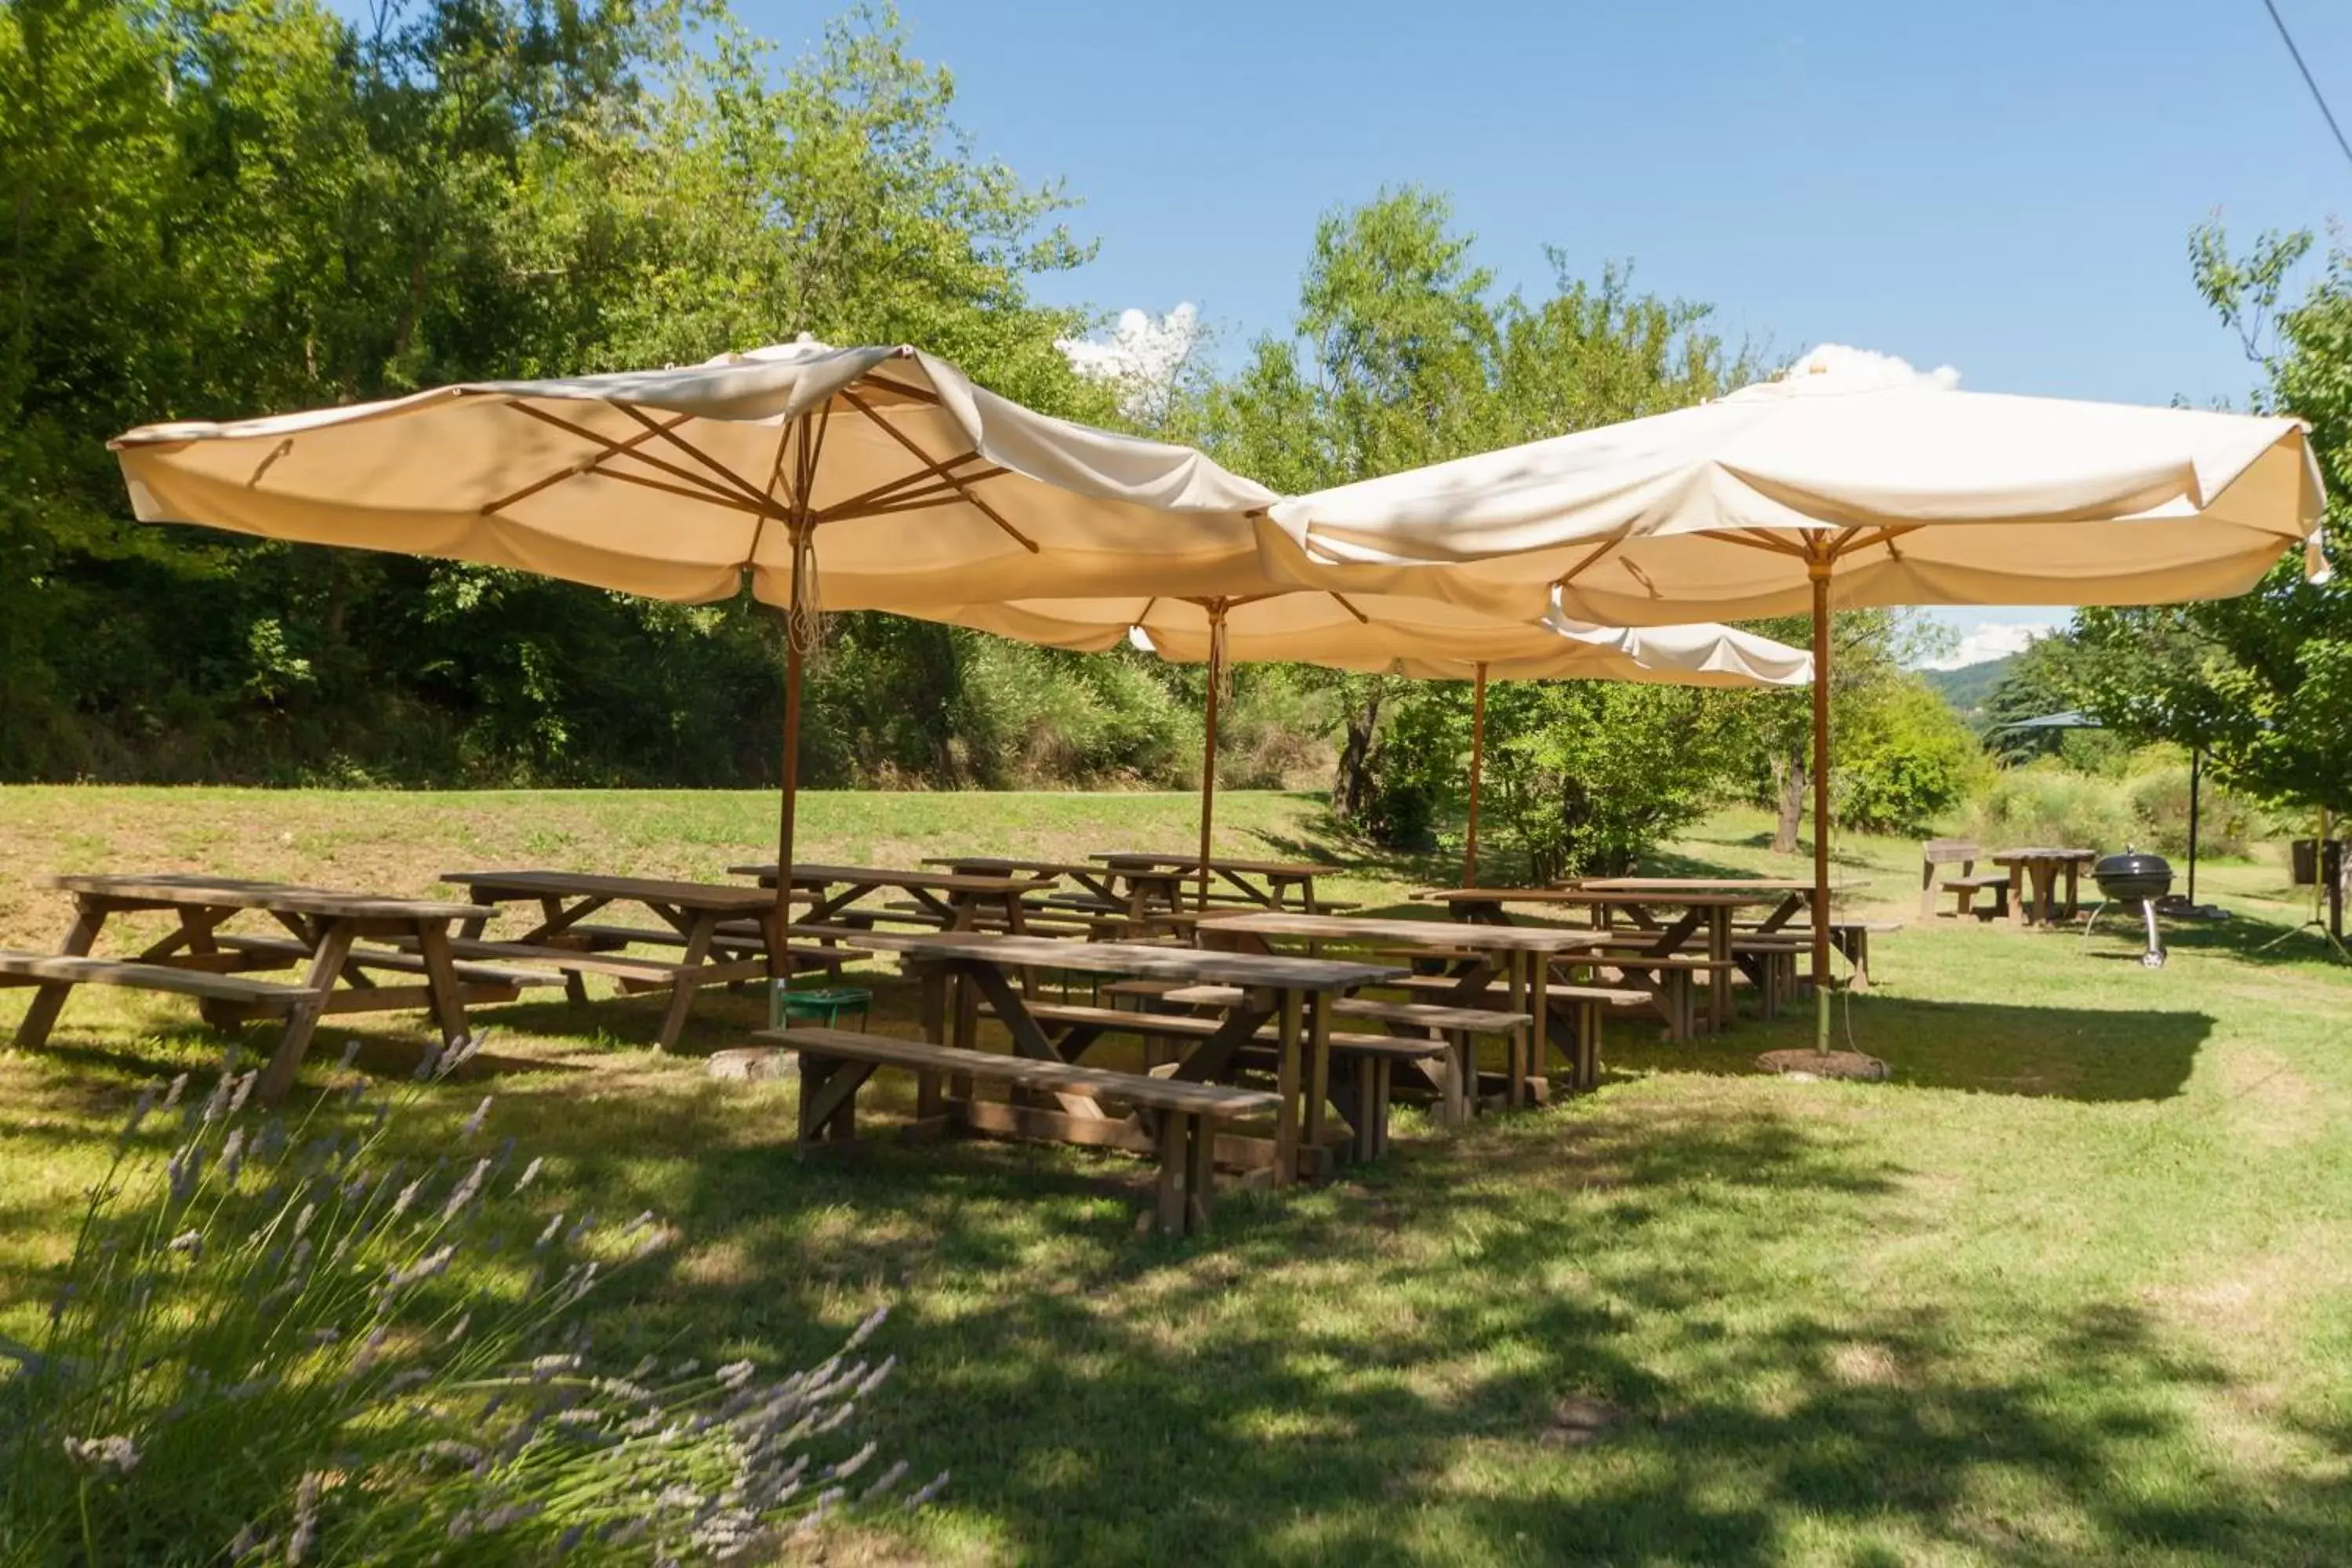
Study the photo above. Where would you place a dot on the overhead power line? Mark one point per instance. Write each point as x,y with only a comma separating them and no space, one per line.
2310,81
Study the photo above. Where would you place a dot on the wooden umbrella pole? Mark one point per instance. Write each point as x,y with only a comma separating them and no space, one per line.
1209,745
793,658
1477,767
1821,575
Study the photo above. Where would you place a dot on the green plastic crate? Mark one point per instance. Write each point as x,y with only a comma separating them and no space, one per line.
822,1005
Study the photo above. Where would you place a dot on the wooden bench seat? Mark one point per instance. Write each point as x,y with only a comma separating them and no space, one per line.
400,961
1964,891
1364,1063
834,1064
271,996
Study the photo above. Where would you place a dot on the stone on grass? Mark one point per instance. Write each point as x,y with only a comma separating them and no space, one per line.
1806,1066
750,1064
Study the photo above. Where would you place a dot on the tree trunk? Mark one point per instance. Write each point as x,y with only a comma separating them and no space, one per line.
1351,789
1789,782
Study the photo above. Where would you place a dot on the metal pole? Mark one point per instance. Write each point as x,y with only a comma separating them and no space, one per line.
1819,569
1477,767
1209,742
796,630
2195,769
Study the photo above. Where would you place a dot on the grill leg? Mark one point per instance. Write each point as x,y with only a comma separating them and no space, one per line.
2153,957
2090,920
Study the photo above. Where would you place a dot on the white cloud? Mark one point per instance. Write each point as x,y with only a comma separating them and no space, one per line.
1867,367
1994,639
1141,357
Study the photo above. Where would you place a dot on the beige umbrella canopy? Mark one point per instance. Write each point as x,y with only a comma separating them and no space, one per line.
840,478
1425,638
1827,488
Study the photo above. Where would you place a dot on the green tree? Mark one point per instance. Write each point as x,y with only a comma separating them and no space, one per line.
1402,354
2263,683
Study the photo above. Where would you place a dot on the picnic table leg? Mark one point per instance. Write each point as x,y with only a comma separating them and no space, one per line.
1514,1066
1718,980
575,984
2073,888
1286,1076
1175,1165
1318,1070
42,1015
441,980
2020,877
302,1022
681,986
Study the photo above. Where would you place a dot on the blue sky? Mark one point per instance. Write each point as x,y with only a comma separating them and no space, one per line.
2004,186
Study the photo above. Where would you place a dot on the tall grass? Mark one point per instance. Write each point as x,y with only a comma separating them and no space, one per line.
282,1344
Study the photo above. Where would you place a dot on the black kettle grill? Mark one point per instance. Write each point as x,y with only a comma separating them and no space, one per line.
2133,877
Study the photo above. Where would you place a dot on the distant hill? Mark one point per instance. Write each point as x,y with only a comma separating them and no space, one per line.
1971,687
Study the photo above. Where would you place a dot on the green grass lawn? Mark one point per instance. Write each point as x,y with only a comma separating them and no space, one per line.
2075,1285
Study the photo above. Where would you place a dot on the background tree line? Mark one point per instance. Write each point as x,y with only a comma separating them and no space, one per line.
219,209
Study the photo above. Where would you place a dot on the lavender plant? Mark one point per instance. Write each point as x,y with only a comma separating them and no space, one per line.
282,1345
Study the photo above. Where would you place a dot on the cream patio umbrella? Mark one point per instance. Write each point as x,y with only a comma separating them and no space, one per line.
825,478
1838,487
1383,634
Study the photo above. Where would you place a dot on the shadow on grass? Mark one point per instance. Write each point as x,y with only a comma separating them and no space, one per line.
2083,1054
1545,1340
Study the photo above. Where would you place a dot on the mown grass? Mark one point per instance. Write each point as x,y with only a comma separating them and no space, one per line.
2075,1285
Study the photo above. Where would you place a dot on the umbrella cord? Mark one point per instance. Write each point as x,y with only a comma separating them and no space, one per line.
804,623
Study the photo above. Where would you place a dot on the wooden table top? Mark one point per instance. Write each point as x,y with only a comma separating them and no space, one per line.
1426,933
1001,865
1289,868
192,890
1587,897
1192,966
2038,852
806,875
537,884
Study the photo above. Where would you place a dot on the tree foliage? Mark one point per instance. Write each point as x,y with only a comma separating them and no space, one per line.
2263,682
1404,353
217,210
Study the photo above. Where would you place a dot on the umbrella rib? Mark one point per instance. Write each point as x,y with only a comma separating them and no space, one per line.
937,468
1570,576
1755,539
1361,619
848,508
667,433
614,448
707,496
576,470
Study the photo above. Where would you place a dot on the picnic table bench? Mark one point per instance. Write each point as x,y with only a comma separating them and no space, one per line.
196,958
840,895
1110,900
1258,884
1179,1119
959,972
1517,960
729,933
1938,853
1656,937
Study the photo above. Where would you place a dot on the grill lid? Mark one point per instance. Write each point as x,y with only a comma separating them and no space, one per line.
2132,863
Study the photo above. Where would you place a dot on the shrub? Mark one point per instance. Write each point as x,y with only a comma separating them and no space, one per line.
1903,761
286,1347
2044,803
2159,798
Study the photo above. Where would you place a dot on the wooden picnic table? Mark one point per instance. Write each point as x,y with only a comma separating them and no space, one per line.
1795,893
1267,883
1661,938
2040,866
728,932
316,929
1518,958
1293,993
944,899
1151,893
